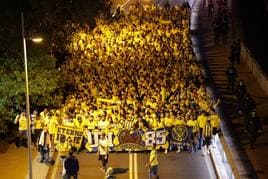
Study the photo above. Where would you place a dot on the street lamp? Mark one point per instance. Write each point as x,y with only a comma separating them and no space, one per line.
29,140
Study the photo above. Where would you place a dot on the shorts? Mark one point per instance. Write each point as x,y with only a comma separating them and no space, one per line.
104,159
214,131
207,141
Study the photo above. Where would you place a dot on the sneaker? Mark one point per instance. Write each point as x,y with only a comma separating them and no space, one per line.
208,152
41,161
166,151
204,154
179,150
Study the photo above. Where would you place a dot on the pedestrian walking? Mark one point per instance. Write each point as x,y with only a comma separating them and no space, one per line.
153,163
22,121
253,128
216,25
201,120
210,8
248,105
63,147
103,151
240,92
44,146
37,127
236,50
215,124
231,77
207,135
71,166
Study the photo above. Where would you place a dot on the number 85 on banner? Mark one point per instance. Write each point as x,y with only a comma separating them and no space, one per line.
159,137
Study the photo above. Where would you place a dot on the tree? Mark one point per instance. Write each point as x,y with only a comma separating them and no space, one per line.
45,82
55,20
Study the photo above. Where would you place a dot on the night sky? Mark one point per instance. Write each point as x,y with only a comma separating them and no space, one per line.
255,21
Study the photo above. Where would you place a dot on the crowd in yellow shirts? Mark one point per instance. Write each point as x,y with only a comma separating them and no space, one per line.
136,72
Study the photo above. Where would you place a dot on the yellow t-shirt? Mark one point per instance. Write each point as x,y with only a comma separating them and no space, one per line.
80,125
63,148
179,122
169,122
153,158
193,124
52,126
201,119
38,124
91,124
215,121
22,123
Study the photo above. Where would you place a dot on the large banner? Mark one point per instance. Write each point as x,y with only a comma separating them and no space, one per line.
72,135
125,140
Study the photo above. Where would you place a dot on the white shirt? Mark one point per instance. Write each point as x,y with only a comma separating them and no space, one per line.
103,146
103,124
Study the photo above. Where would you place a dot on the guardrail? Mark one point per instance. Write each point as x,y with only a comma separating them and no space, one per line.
254,67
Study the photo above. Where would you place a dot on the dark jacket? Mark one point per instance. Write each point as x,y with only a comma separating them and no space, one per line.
71,165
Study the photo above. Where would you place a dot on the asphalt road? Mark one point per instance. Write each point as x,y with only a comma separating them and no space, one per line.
173,165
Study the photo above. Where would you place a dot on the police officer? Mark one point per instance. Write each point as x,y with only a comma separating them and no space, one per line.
241,89
248,104
240,92
231,77
253,127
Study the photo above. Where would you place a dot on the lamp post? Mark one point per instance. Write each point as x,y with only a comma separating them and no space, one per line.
29,140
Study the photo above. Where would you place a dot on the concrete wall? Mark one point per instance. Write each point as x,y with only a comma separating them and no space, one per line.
262,78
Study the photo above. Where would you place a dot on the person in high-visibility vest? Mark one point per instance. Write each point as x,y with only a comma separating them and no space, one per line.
22,121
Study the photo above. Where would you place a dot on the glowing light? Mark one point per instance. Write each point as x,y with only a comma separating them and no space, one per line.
37,39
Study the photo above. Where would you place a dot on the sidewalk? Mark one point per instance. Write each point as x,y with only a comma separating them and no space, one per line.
40,170
217,63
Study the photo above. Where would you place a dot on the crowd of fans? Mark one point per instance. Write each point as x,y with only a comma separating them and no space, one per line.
137,71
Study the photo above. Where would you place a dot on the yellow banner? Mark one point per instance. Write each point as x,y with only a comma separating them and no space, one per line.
73,135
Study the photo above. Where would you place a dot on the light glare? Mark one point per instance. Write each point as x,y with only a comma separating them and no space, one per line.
37,39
